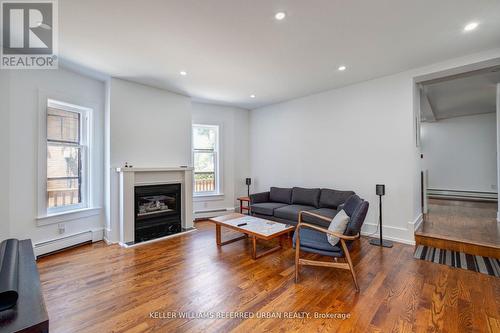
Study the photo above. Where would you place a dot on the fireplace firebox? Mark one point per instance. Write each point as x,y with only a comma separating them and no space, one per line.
157,211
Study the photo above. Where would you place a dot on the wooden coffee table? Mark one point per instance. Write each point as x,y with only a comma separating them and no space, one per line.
255,228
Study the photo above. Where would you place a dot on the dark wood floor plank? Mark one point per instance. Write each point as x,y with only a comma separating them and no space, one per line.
99,288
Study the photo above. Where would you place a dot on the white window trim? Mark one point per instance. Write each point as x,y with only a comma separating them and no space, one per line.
47,216
217,194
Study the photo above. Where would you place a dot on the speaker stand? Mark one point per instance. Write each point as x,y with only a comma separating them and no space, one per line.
381,241
385,243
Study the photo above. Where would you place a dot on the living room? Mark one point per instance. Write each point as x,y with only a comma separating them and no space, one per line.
314,105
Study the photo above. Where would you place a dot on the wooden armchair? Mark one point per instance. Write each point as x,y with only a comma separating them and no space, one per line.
312,238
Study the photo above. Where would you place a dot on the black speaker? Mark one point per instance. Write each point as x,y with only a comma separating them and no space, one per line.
380,189
248,181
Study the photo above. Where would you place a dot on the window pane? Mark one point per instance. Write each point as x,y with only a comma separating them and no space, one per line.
62,192
63,125
63,175
63,161
204,182
204,162
204,137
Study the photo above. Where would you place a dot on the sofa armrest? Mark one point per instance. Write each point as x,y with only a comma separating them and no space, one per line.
259,197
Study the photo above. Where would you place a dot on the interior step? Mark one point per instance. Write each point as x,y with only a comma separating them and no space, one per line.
450,243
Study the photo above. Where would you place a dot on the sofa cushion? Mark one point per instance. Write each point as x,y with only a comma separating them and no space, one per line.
259,197
279,194
351,204
326,212
333,198
315,240
291,212
357,219
305,196
266,208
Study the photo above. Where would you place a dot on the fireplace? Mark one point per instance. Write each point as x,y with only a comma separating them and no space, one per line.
157,211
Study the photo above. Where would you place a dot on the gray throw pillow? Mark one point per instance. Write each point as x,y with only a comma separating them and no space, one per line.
339,225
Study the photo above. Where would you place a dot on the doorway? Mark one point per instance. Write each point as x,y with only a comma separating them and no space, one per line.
459,169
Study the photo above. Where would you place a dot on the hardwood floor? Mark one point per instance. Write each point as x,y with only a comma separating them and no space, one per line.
461,226
99,288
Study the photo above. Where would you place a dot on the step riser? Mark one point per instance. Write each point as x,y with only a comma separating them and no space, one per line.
475,249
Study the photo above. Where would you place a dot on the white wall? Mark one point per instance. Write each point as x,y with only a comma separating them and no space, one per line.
148,127
234,150
351,138
460,153
4,152
347,139
498,147
25,87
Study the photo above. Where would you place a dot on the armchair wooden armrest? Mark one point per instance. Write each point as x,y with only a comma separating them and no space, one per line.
318,228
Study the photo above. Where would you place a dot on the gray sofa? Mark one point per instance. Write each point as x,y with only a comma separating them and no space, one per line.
284,204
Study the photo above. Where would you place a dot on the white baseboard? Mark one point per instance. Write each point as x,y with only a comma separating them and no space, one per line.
157,239
108,242
208,213
68,241
413,226
395,234
106,239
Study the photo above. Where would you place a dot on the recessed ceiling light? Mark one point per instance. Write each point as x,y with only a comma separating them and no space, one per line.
471,26
252,96
183,73
280,15
342,68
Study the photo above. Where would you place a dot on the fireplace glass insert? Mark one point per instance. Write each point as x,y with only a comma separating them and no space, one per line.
157,211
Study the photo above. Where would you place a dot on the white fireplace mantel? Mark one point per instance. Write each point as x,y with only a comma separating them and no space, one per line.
130,177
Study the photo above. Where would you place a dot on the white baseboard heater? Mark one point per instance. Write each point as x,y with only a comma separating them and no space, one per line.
62,243
462,195
205,214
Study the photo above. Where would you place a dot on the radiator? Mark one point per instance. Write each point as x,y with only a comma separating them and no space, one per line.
61,243
203,214
463,195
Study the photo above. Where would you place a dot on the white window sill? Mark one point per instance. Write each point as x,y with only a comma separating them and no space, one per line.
208,197
67,216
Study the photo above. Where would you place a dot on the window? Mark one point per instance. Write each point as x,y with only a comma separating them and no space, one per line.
67,157
206,159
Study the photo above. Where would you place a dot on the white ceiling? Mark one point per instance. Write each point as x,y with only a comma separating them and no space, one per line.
234,48
463,96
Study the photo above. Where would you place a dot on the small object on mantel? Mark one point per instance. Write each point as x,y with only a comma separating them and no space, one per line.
128,166
184,166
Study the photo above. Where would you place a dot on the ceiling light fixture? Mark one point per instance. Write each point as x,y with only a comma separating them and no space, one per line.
252,96
280,16
342,68
183,73
471,26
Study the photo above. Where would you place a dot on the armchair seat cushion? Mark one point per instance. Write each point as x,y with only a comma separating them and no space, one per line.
266,208
291,212
326,212
316,242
